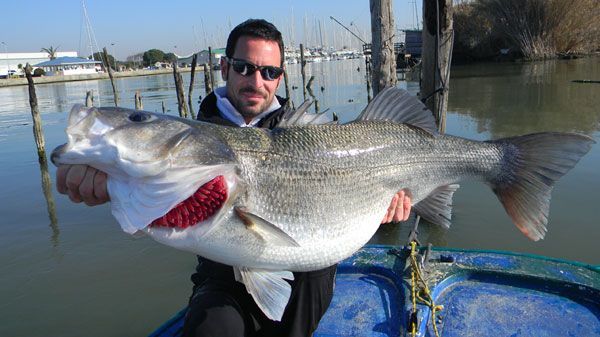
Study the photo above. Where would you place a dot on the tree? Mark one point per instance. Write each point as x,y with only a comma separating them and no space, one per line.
152,56
170,57
51,51
98,56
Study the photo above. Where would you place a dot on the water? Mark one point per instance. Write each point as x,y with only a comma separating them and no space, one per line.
81,275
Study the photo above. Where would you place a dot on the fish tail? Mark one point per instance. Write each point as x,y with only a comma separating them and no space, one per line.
531,164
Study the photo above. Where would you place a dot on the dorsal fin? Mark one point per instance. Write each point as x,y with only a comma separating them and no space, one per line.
397,105
301,116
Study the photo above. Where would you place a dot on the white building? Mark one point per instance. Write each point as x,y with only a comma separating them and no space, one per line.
11,61
70,66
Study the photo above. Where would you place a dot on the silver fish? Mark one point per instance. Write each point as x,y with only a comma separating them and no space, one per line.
303,197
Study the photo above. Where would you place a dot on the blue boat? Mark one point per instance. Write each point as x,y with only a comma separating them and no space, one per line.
472,293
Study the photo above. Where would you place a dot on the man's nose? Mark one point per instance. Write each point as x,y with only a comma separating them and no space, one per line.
256,79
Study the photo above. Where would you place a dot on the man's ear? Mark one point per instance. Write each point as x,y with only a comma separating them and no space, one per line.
224,69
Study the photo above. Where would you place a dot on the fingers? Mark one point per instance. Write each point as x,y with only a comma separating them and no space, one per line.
82,183
391,210
75,176
61,178
399,215
399,209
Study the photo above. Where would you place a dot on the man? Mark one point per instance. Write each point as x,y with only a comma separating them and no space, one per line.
219,305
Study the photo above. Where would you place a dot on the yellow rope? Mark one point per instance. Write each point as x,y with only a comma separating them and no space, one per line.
423,294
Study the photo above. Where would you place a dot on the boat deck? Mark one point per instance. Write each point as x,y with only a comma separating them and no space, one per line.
483,293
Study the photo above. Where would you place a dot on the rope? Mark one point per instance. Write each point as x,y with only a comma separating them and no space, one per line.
420,291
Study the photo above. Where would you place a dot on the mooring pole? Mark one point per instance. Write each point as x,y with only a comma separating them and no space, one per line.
382,45
210,68
38,134
207,87
302,65
89,98
110,74
138,101
190,91
182,106
438,38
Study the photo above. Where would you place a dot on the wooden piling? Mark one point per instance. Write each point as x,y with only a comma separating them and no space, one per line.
382,45
89,98
302,65
368,77
210,67
438,37
286,82
138,101
191,89
182,106
207,86
110,74
35,115
311,93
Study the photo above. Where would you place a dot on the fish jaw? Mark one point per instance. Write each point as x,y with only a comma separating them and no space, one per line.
137,203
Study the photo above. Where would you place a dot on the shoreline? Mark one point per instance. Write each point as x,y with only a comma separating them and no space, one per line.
11,82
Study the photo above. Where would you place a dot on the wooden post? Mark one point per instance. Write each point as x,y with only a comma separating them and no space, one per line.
210,67
38,134
138,101
311,93
89,98
179,89
207,87
436,57
191,89
368,77
286,82
302,65
110,74
382,45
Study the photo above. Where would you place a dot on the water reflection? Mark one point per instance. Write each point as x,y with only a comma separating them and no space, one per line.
50,205
512,99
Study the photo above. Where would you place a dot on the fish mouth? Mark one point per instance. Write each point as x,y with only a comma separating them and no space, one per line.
201,205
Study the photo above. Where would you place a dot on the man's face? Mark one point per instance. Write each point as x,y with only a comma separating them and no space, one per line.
252,95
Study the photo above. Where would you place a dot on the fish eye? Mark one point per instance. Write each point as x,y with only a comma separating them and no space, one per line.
140,116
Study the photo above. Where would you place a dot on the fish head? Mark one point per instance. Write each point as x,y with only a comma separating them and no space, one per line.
134,143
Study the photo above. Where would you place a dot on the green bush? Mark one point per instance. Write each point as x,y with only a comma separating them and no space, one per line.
39,72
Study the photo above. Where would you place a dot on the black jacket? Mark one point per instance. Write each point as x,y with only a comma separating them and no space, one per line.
311,291
210,113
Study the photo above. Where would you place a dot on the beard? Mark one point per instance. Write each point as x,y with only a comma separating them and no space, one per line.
250,109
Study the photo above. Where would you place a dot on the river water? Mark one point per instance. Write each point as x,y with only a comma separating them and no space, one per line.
69,270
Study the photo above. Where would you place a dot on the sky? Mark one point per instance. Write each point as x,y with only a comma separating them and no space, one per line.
183,27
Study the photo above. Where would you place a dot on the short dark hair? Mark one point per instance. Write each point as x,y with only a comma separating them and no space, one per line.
257,28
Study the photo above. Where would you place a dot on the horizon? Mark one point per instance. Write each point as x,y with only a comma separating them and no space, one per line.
180,27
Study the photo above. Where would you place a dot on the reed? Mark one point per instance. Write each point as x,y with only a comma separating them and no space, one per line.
533,29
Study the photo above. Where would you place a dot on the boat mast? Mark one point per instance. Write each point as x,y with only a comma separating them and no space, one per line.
90,32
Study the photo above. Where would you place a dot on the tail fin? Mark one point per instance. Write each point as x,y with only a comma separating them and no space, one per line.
531,165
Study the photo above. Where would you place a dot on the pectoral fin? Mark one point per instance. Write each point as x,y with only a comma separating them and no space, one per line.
269,289
437,207
263,228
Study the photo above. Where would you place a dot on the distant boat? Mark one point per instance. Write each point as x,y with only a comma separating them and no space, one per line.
483,293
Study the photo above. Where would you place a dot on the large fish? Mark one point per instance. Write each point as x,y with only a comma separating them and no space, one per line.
302,197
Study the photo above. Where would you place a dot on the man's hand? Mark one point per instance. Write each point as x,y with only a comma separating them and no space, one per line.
82,183
399,209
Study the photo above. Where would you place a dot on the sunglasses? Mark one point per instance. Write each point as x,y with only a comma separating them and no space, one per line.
244,68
